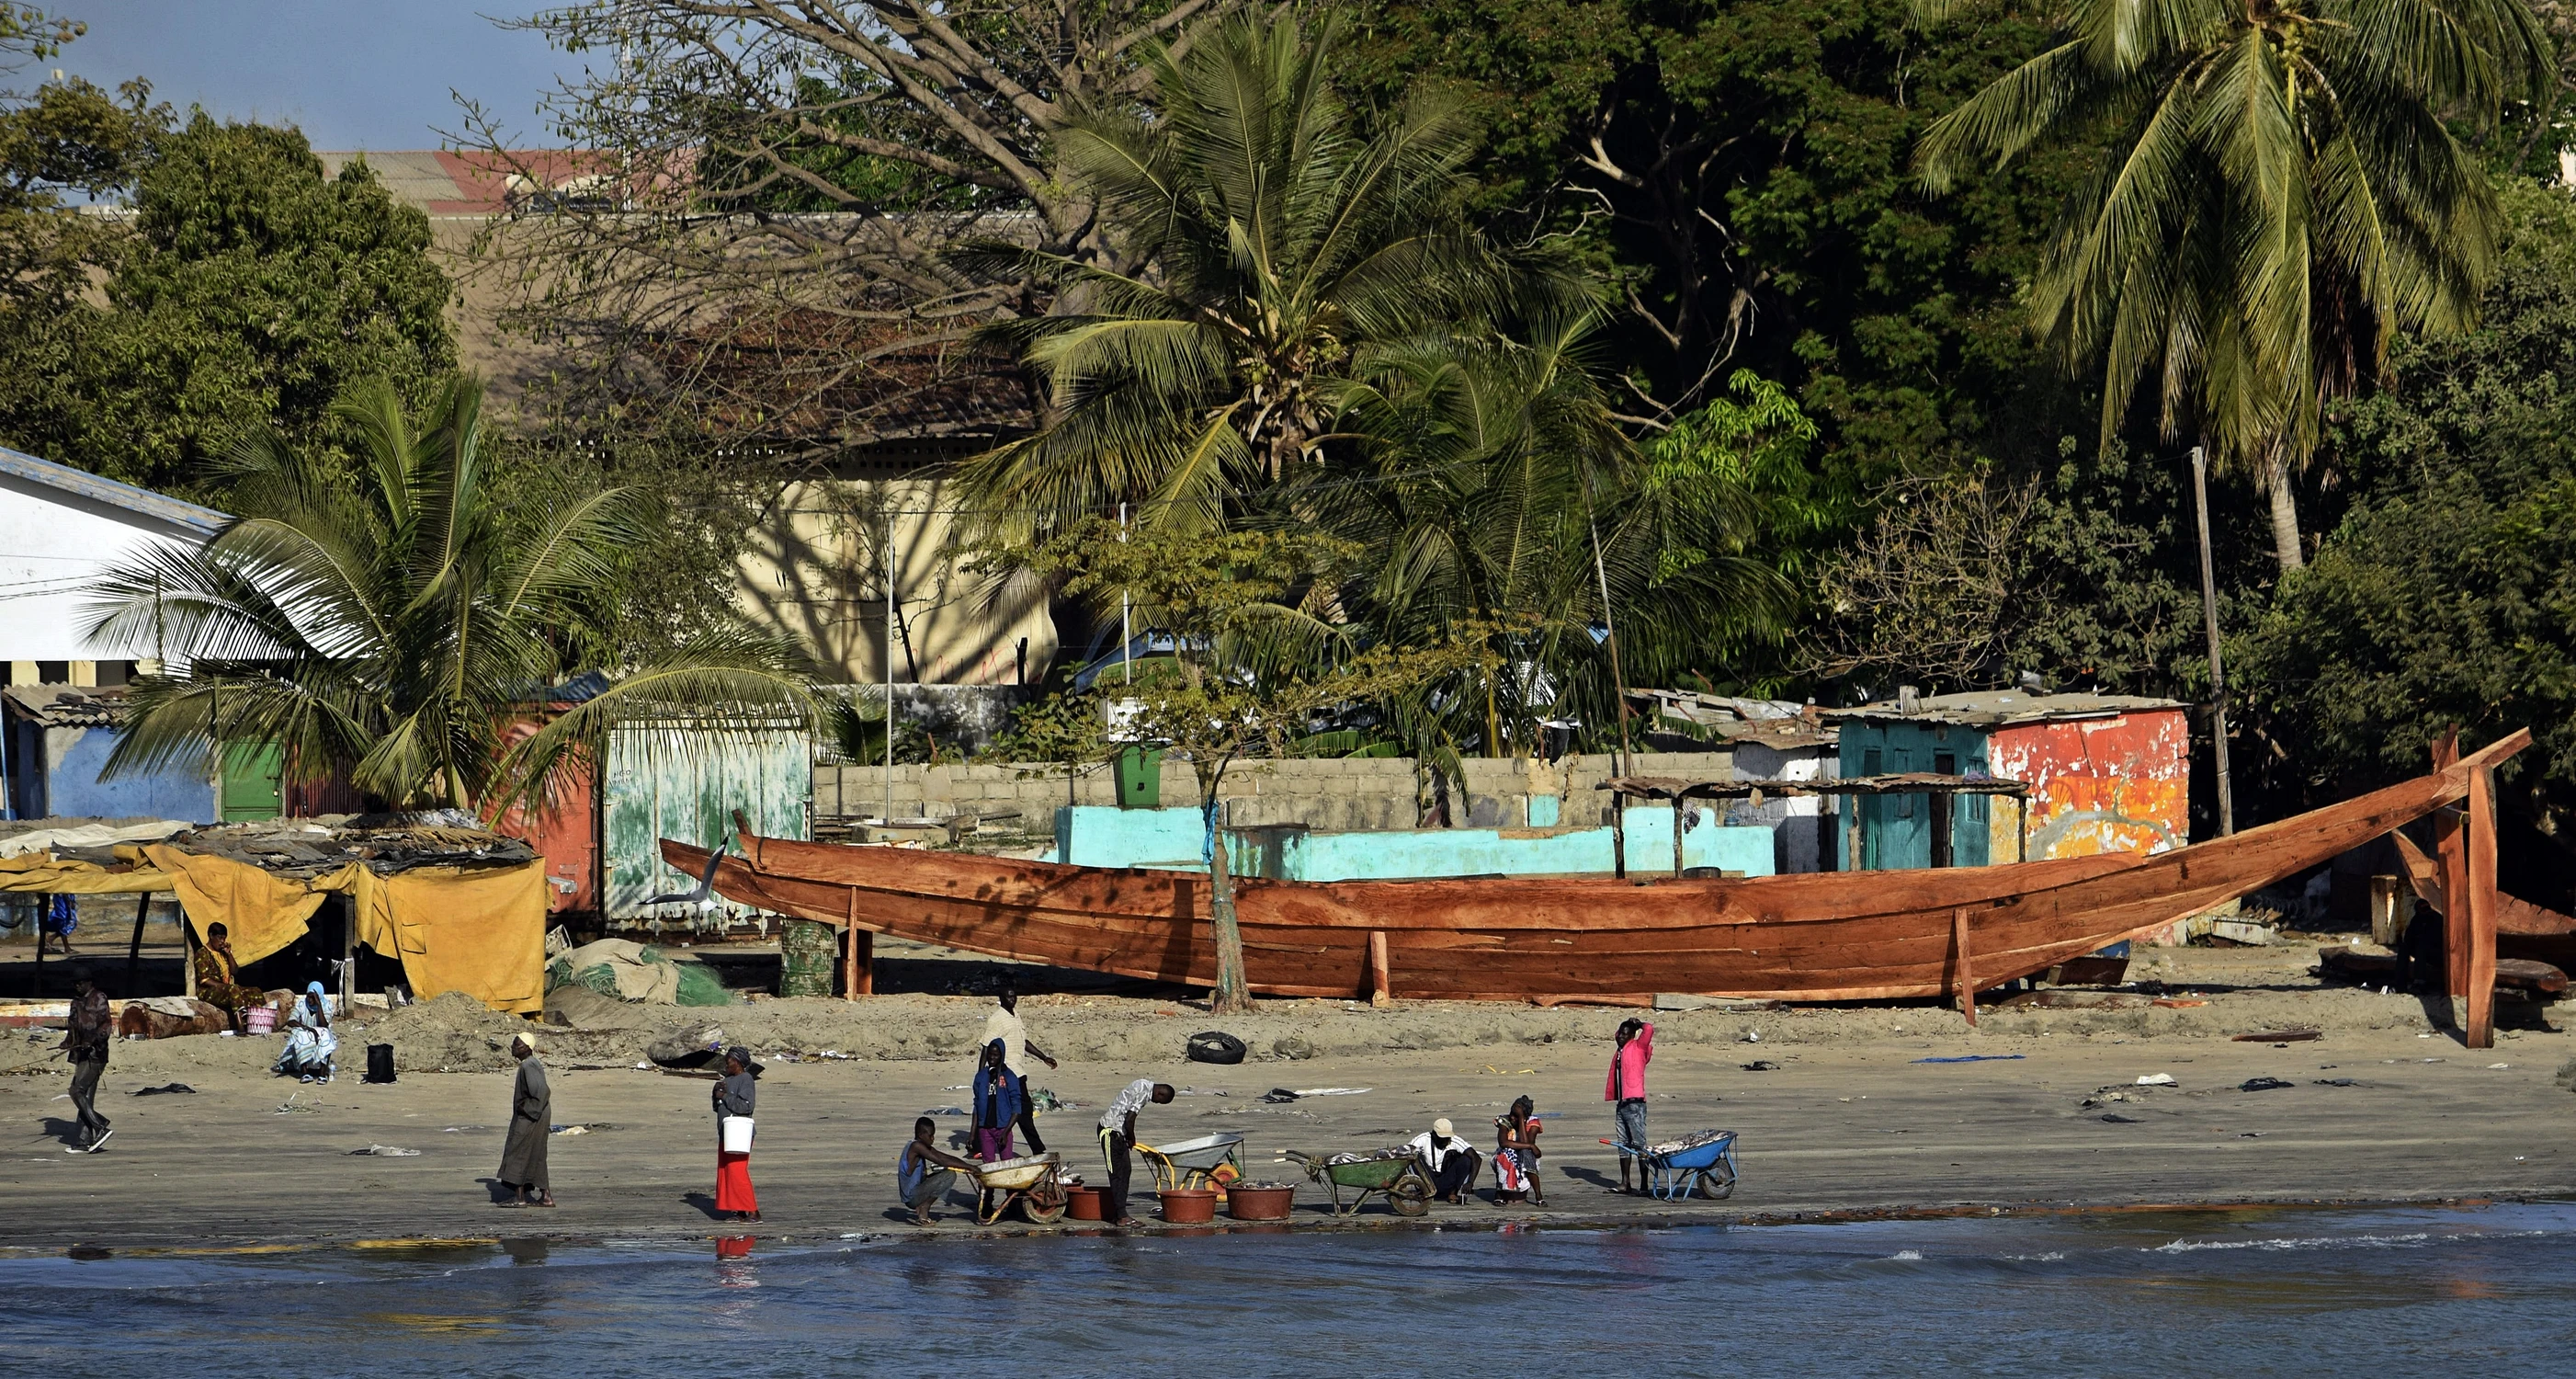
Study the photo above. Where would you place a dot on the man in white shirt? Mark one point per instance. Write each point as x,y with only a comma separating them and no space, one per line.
1451,1161
1118,1139
1004,1024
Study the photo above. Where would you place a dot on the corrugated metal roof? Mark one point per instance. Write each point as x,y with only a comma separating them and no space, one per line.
199,521
1995,708
68,706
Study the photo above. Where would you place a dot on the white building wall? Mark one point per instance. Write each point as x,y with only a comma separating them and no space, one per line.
53,544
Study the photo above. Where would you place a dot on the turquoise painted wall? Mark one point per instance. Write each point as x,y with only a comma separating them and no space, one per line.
1172,839
1896,830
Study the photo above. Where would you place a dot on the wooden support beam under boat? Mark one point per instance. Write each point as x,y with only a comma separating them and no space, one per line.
2455,875
859,958
1381,989
1962,964
2482,908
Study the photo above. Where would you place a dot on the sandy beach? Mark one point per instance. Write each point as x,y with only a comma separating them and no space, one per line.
1847,1119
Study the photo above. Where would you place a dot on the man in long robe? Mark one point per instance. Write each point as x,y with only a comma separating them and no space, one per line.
532,1109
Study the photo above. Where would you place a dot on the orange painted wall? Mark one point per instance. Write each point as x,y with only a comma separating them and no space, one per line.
565,833
2120,784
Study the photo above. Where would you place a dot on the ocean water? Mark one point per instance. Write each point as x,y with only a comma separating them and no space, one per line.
2490,1291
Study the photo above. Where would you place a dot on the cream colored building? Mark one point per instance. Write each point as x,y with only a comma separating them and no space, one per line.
814,567
814,570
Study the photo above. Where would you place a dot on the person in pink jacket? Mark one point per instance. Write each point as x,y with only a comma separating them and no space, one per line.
1626,1090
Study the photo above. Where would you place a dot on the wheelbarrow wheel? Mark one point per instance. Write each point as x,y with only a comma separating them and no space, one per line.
1044,1204
1718,1181
1409,1196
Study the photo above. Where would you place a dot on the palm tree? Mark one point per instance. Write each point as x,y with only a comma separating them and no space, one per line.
391,630
1501,491
1282,249
2283,187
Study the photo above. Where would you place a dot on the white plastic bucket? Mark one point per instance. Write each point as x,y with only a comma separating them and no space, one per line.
737,1134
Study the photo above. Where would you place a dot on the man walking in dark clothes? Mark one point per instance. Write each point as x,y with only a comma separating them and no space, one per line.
85,1044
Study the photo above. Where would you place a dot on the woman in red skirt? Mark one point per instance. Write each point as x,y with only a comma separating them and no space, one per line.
735,1096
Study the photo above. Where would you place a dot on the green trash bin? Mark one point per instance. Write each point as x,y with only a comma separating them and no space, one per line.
1140,778
807,953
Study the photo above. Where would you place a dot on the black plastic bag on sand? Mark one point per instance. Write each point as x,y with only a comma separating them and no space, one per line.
380,1063
1215,1046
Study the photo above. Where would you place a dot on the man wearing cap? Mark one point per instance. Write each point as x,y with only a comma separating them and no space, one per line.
1451,1161
532,1110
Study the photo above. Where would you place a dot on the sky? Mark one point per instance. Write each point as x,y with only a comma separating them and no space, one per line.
353,74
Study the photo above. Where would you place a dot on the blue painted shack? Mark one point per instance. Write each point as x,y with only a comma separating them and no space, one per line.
2098,773
57,741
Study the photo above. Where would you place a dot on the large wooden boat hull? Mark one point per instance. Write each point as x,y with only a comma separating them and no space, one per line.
1814,937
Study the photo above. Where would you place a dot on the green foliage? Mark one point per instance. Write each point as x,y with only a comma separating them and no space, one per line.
1739,468
1288,252
2447,595
2283,189
388,629
1739,168
246,290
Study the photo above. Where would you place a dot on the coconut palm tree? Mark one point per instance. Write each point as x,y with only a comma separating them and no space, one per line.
392,630
1282,248
1502,491
2283,186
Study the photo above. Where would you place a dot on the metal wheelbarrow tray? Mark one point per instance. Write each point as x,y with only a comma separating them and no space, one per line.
1192,1163
1399,1176
1707,1164
1031,1182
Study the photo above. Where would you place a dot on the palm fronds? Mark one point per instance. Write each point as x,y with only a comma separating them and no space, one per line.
391,627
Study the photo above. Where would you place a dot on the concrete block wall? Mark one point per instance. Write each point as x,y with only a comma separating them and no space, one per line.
1340,795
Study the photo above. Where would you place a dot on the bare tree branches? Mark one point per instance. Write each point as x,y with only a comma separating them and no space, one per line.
1932,589
755,219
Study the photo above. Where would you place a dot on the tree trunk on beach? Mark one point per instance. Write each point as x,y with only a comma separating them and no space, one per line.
1232,996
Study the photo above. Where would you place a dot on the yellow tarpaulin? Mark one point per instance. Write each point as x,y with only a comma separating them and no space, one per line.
477,930
481,931
261,912
33,871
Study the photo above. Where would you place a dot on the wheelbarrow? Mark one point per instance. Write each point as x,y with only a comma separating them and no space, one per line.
1397,1173
1194,1163
1031,1182
1705,1162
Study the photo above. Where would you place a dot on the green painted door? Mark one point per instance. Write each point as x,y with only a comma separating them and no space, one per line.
666,783
250,789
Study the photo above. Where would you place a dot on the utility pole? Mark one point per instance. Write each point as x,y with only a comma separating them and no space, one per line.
1619,686
2217,667
889,659
1126,633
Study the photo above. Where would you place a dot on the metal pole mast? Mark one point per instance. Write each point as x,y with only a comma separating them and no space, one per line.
889,663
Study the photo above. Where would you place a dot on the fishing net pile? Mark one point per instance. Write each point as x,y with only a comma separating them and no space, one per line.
638,973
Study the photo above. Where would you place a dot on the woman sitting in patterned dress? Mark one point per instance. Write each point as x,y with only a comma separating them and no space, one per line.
219,977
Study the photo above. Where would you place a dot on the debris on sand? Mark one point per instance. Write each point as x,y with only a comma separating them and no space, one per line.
454,1033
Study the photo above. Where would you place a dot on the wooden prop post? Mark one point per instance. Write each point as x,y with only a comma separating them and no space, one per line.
1678,819
348,952
1381,990
2481,908
1619,837
134,950
858,956
2450,846
1966,979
